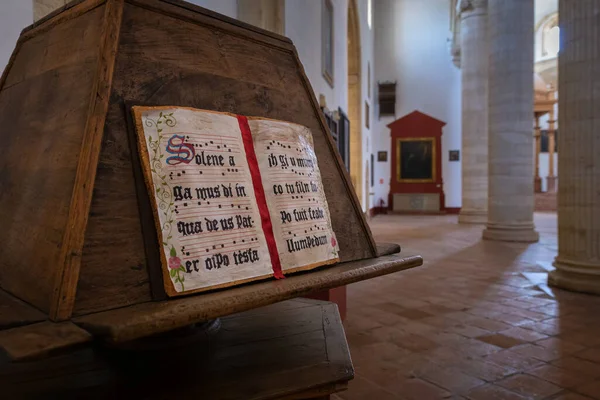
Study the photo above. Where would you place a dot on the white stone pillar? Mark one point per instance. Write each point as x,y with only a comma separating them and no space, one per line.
537,136
510,93
266,14
474,69
578,261
41,8
551,179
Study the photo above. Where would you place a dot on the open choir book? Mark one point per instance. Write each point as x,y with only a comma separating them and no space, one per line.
235,198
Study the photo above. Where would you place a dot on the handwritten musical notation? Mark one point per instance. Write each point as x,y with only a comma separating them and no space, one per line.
211,202
211,230
295,194
205,197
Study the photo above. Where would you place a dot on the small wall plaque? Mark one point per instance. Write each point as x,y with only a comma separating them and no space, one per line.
454,155
382,156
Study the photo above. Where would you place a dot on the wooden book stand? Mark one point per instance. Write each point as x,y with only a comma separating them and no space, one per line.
76,262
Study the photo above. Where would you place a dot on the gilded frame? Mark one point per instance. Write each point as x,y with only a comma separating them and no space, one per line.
433,159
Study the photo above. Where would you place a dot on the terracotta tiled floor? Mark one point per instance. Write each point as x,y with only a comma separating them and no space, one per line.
476,321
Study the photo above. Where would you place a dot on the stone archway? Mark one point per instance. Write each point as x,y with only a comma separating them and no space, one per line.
354,100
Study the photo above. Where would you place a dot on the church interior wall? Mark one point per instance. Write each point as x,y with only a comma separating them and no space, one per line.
225,7
544,11
15,15
543,159
411,48
543,8
367,59
303,27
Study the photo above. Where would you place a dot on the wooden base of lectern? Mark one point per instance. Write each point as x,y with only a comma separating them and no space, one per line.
336,295
291,350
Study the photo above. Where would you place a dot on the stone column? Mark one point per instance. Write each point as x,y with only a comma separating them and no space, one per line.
537,135
551,179
474,62
510,91
266,14
41,8
578,261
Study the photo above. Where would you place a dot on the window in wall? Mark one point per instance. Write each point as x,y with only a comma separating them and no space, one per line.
372,170
344,138
339,128
551,37
387,98
453,4
327,41
370,13
368,80
553,41
367,114
544,141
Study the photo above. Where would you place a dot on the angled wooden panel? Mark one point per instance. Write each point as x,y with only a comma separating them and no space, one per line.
42,339
291,350
177,54
67,280
43,112
14,312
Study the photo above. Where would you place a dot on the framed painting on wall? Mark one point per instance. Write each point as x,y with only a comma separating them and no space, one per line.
327,41
416,160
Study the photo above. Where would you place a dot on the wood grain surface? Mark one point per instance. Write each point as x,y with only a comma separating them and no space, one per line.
14,312
72,243
141,320
290,350
228,67
44,102
41,339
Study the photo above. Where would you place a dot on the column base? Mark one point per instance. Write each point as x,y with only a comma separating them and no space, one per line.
575,277
525,233
537,184
472,217
551,182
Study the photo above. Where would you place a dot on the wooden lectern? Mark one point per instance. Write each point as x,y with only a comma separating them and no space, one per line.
77,294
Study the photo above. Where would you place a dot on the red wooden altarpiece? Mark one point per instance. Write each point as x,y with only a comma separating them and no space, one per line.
417,126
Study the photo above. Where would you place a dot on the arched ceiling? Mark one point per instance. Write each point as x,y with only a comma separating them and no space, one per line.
544,8
547,68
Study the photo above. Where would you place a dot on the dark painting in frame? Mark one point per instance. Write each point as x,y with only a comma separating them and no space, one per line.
416,160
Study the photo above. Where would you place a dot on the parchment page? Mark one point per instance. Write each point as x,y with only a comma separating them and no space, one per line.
294,192
205,209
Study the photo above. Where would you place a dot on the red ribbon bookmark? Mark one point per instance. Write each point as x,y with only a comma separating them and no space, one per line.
259,192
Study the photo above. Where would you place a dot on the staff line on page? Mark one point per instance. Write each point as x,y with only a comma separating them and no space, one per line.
211,243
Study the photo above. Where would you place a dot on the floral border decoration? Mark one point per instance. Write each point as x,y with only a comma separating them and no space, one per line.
163,194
